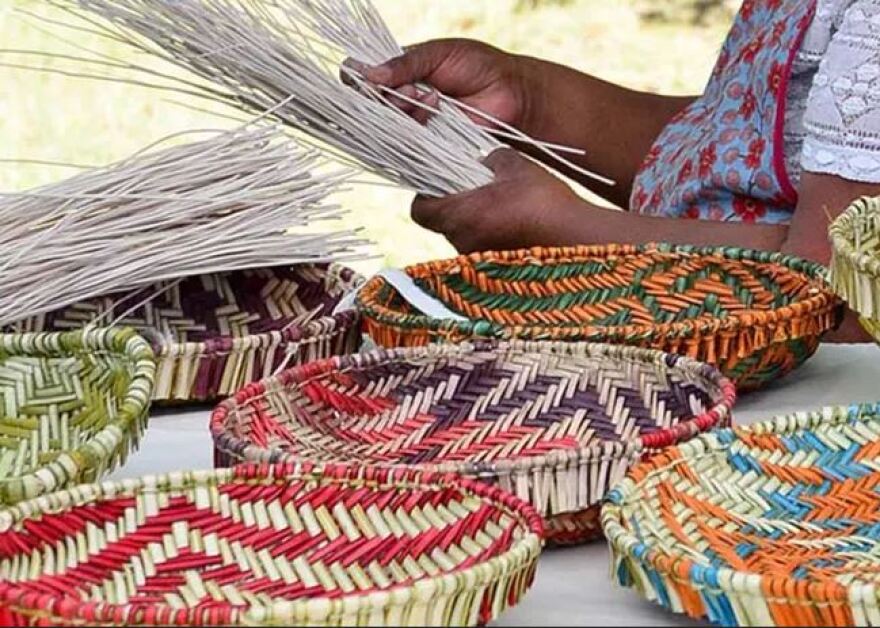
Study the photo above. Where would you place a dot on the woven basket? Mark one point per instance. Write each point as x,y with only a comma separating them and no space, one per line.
71,407
756,315
776,524
215,333
554,423
855,265
269,546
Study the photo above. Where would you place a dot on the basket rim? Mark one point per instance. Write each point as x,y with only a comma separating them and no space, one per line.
720,412
723,579
125,343
515,558
326,326
842,234
821,302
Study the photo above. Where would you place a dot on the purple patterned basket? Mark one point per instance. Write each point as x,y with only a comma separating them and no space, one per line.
213,334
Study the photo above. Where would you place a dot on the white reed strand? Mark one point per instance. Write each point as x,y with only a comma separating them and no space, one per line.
226,203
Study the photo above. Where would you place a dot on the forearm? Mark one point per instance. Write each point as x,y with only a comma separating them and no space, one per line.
614,125
585,223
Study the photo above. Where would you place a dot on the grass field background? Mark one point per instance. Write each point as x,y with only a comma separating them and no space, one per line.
660,45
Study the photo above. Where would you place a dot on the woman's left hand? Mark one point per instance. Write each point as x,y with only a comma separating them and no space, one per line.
524,206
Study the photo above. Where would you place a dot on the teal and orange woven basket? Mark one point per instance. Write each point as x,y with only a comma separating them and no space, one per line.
776,524
556,424
756,315
268,545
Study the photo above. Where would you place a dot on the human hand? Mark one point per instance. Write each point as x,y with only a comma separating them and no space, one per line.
524,206
476,74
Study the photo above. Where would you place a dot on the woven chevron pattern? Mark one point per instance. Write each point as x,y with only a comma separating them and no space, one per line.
215,333
855,264
755,315
553,423
772,525
71,407
269,545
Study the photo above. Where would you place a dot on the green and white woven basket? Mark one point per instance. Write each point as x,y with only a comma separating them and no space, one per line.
855,265
72,405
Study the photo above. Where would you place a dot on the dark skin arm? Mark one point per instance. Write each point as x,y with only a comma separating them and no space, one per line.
614,125
527,206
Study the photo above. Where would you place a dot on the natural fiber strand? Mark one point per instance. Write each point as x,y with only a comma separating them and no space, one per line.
241,199
284,56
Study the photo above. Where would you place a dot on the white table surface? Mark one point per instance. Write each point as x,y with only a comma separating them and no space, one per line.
573,586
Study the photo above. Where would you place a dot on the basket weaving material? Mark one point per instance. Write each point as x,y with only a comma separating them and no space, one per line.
756,315
554,423
215,333
775,524
269,545
71,407
855,265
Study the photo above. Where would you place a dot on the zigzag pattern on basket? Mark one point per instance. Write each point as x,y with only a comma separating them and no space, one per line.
71,407
755,315
776,524
855,264
556,425
279,545
215,333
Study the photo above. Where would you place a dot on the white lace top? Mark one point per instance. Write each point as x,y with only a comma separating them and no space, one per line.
832,121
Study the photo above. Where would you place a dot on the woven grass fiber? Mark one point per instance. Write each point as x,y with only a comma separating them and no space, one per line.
554,423
213,334
756,315
771,525
72,405
855,265
269,546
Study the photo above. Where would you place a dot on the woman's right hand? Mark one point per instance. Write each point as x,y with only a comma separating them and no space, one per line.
472,72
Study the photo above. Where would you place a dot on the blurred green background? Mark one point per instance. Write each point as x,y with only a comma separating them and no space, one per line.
660,45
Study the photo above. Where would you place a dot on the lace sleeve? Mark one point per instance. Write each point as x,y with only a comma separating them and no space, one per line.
842,119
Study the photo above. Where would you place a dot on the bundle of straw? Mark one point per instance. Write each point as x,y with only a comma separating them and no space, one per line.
241,199
284,57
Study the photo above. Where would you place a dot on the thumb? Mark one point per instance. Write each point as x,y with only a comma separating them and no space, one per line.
506,163
416,65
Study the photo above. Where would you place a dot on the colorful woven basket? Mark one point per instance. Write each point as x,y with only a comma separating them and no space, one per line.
268,546
772,525
756,315
855,265
215,333
554,423
71,407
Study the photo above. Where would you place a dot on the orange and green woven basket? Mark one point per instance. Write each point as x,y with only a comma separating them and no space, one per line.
756,315
554,423
263,545
775,524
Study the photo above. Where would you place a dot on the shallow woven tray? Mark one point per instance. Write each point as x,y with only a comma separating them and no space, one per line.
554,423
71,407
269,546
215,333
855,265
776,524
756,315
